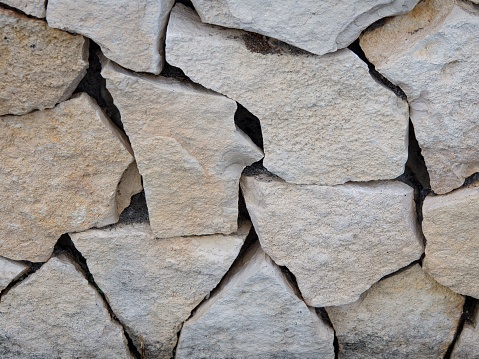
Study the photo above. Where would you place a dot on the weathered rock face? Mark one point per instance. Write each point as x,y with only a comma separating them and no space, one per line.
153,285
188,150
10,270
407,315
31,7
130,33
325,120
431,53
466,345
316,26
59,172
337,241
39,66
255,313
55,313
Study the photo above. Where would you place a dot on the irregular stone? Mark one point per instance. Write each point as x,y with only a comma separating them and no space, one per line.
31,7
316,26
407,315
431,53
325,120
188,150
153,285
130,184
466,345
59,172
255,313
10,270
130,33
39,66
337,241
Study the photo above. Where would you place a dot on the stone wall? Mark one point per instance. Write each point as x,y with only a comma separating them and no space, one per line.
239,179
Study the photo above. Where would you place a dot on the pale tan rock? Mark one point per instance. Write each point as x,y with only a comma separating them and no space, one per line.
39,66
408,315
153,285
325,120
466,345
130,184
339,240
188,150
10,270
59,172
431,53
56,313
31,7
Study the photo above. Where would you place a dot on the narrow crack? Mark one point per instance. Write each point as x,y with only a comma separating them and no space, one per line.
20,12
249,124
34,266
187,3
324,315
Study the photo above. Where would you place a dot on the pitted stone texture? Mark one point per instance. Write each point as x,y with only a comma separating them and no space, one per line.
431,53
56,313
316,26
255,313
130,33
39,66
325,120
408,315
31,7
10,270
337,241
153,285
466,345
59,172
188,149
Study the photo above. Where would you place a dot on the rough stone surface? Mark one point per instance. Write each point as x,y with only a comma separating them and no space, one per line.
188,149
39,66
10,270
55,313
59,172
337,241
316,26
255,313
31,7
466,346
431,53
408,315
130,33
130,184
325,120
153,285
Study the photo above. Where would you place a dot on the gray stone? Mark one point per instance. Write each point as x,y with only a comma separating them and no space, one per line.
10,270
31,7
466,345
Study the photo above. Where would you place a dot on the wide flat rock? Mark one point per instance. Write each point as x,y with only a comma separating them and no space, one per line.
10,270
466,345
35,8
431,53
324,119
339,240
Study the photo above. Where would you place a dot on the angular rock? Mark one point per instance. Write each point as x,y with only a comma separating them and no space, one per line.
10,270
408,315
431,53
337,241
39,66
188,150
130,33
325,120
59,172
31,7
255,313
153,285
316,26
466,345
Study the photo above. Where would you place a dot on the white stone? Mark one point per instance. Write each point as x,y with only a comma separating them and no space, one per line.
59,172
466,345
408,315
339,240
130,33
153,285
431,53
56,313
188,150
325,120
10,270
255,313
31,7
316,26
39,66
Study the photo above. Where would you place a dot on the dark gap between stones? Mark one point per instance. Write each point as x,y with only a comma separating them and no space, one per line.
470,180
136,212
186,3
174,72
34,266
249,124
324,315
20,12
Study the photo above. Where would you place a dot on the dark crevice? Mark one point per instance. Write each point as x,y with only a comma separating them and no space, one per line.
34,266
257,168
325,317
243,214
291,278
418,261
470,180
20,12
136,212
186,3
174,72
249,124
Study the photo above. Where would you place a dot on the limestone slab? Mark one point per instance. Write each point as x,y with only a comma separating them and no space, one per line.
466,345
56,313
39,66
130,33
431,53
324,119
188,149
407,315
337,241
31,7
10,270
153,285
59,172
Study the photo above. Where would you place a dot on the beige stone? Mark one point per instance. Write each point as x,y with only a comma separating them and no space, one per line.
31,7
188,149
10,270
153,285
59,172
325,120
431,53
129,185
466,345
408,315
39,66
